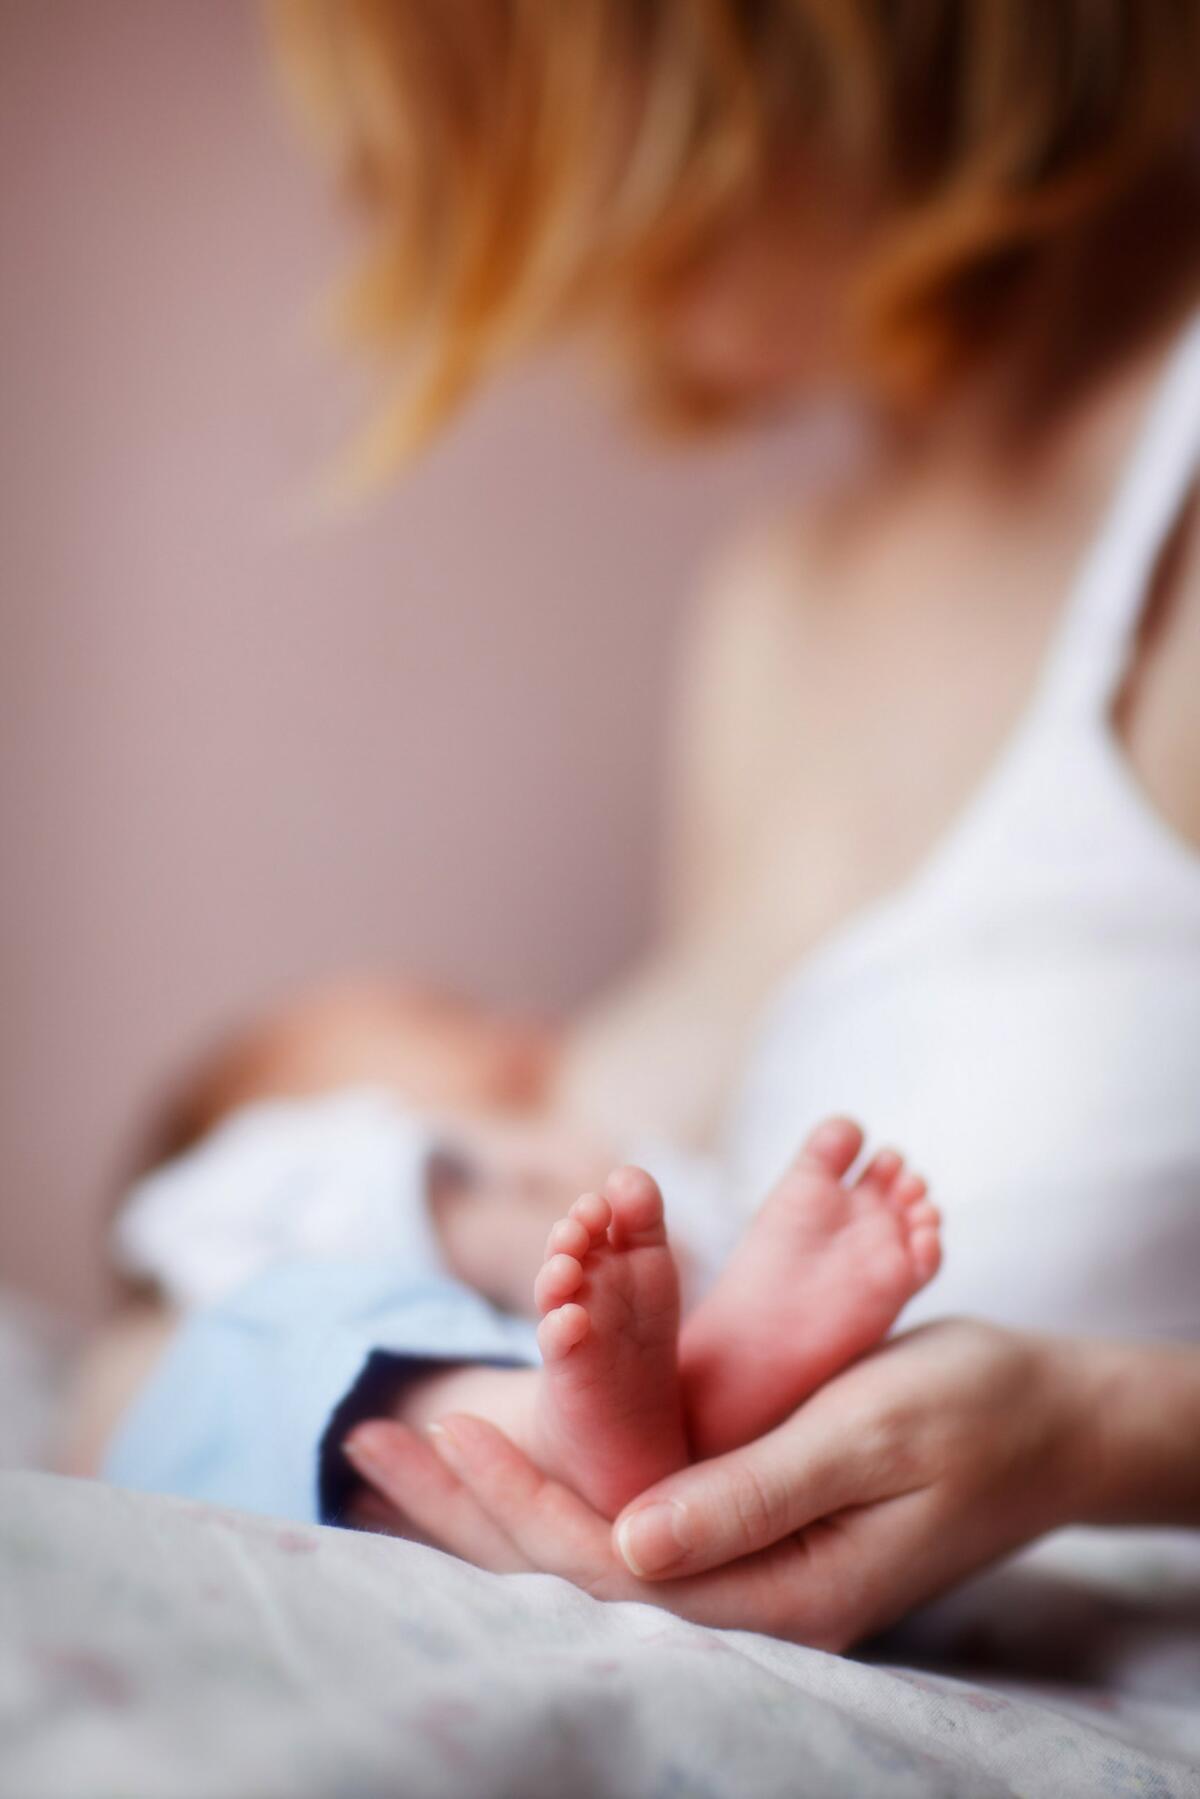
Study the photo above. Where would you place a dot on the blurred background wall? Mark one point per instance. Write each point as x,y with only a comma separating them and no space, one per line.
240,748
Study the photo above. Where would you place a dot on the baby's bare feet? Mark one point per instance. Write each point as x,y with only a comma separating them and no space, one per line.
819,1278
608,1417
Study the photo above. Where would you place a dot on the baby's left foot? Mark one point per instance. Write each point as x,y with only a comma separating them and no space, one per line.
819,1278
608,1415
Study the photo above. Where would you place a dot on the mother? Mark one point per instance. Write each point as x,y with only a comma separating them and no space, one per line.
950,701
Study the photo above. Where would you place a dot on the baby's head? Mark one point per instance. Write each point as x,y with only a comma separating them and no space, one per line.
436,1052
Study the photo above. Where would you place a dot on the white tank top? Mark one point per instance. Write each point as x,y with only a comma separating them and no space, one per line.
1023,1016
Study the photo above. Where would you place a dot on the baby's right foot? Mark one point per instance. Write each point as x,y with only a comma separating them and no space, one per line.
819,1279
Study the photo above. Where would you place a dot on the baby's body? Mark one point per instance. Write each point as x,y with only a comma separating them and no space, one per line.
626,1393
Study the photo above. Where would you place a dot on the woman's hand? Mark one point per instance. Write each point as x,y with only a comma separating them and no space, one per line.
946,1448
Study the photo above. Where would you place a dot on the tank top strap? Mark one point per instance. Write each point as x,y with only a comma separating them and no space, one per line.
1087,662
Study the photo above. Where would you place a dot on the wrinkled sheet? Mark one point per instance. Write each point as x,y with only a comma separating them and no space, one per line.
156,1647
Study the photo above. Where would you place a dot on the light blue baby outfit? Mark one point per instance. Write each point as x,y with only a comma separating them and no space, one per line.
297,1241
254,1395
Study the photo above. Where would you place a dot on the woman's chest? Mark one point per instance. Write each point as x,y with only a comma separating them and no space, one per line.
890,704
897,695
1040,1072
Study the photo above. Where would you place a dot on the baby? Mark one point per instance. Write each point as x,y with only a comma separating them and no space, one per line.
479,1077
626,1394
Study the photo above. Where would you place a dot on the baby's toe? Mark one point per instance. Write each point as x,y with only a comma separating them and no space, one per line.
882,1173
909,1191
922,1214
925,1249
922,1221
593,1211
570,1236
832,1147
557,1279
637,1208
561,1330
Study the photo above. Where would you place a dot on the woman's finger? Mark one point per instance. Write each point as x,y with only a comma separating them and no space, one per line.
562,1535
369,1510
830,1585
402,1467
551,1526
813,1465
860,1571
836,1582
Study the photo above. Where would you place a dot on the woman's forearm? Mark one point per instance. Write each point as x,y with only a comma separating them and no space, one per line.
1137,1459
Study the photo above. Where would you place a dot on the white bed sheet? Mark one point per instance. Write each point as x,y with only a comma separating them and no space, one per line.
156,1647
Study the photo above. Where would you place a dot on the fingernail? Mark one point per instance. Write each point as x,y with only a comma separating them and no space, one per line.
442,1440
654,1539
358,1452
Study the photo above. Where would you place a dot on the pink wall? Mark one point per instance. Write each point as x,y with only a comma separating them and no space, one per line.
240,747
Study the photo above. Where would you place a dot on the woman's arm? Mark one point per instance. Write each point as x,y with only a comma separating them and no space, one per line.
1144,1435
948,1448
